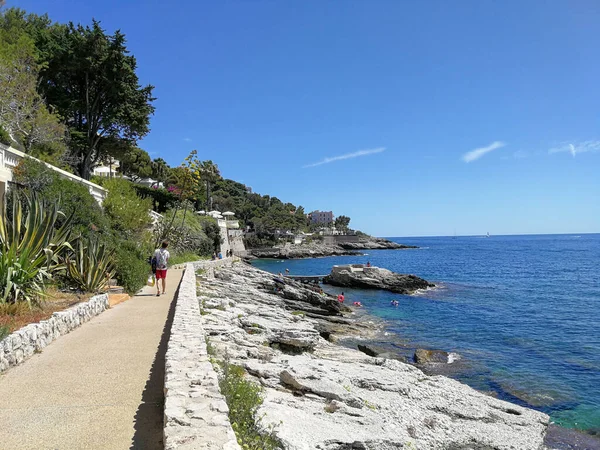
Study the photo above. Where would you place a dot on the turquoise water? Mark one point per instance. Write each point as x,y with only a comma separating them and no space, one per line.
521,311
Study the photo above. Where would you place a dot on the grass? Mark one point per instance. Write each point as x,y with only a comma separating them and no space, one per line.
298,313
17,315
185,257
244,398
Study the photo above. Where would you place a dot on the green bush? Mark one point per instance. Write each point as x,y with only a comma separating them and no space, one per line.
91,265
161,199
127,212
244,398
4,137
75,199
131,265
4,331
32,249
181,258
189,234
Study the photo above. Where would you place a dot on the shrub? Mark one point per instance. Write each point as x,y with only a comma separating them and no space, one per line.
32,176
161,199
244,398
31,249
260,242
126,211
194,234
184,258
4,137
4,331
91,266
131,265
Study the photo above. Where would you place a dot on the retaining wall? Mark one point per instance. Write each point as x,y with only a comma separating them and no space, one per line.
23,343
196,414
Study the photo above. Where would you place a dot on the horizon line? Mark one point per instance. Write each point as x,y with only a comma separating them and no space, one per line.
491,235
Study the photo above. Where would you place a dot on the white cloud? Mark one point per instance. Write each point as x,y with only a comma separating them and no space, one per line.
479,152
328,160
576,148
187,140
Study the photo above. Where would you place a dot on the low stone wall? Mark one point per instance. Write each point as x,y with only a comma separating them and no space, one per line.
22,344
196,414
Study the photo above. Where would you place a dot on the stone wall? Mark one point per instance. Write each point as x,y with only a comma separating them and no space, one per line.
196,414
224,238
23,343
236,242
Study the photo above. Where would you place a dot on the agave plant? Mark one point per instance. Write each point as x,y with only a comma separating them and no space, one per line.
91,265
31,249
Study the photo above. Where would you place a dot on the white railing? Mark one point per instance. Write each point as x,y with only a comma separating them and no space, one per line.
233,224
10,157
222,223
156,217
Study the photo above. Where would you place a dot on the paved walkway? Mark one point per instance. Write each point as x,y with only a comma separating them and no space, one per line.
98,387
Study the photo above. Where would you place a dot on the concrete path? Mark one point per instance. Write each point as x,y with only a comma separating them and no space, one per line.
98,387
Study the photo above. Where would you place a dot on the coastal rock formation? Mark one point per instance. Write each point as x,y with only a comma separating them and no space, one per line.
319,395
423,356
317,249
362,277
313,250
372,243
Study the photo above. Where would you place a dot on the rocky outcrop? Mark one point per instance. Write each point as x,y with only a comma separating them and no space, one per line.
318,250
313,250
318,395
423,356
362,277
372,243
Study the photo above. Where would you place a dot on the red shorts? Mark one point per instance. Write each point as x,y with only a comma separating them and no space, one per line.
161,273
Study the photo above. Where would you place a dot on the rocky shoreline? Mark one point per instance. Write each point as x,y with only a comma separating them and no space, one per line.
318,250
359,276
321,395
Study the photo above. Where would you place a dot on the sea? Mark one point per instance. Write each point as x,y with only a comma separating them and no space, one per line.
521,314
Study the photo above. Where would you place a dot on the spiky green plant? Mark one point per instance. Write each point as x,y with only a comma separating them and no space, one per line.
91,265
31,248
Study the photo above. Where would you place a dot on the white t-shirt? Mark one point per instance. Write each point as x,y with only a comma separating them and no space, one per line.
161,255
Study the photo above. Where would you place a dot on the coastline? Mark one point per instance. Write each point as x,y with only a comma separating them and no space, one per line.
390,344
321,250
281,348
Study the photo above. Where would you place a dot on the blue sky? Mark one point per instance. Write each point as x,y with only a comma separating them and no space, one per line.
403,91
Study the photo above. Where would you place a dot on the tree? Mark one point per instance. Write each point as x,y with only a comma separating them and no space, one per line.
209,172
203,172
91,79
136,163
342,222
160,169
23,112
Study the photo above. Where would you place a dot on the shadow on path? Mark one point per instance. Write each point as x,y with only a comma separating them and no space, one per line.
149,415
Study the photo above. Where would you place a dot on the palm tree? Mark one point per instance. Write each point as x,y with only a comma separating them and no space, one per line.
209,171
160,169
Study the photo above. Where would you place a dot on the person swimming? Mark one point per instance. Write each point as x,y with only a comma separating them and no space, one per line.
394,303
358,304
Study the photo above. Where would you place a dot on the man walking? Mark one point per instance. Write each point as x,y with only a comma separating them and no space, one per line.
161,257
